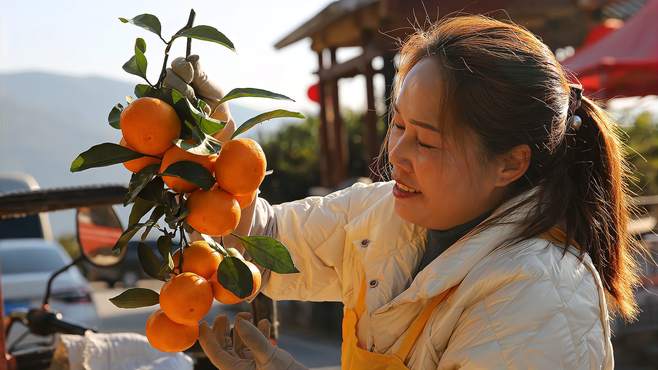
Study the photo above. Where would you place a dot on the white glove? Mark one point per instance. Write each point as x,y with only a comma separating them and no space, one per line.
187,76
249,349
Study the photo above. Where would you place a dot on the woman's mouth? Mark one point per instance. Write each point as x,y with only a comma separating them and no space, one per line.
402,191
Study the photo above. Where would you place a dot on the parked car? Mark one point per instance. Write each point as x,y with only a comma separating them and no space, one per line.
31,226
26,265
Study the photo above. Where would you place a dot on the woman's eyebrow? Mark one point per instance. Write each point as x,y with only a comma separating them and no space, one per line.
424,125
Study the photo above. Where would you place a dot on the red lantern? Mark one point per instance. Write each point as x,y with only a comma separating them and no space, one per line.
313,92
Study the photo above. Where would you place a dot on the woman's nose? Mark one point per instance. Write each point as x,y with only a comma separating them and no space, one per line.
398,154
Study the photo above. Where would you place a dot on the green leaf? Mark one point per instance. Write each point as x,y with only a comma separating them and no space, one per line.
207,33
142,90
235,276
164,247
149,261
146,21
190,116
146,232
202,106
173,221
171,204
192,172
279,113
157,214
253,93
208,125
140,45
114,118
136,298
139,209
176,96
101,155
139,180
153,220
126,237
269,253
137,64
153,190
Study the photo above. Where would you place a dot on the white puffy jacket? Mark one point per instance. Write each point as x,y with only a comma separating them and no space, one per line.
524,306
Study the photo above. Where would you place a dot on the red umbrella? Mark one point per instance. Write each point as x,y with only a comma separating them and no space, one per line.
623,63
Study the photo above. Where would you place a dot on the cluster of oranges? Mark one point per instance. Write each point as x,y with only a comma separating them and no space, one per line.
187,297
150,126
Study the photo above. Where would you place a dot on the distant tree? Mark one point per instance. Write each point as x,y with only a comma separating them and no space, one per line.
642,140
293,153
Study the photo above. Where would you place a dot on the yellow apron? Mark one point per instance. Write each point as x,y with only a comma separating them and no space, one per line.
353,357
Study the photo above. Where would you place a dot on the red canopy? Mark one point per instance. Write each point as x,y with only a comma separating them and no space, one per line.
623,63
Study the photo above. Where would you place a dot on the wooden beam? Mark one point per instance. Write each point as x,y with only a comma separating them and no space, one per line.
350,68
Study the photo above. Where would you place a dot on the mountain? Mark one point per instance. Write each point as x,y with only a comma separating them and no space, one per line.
46,120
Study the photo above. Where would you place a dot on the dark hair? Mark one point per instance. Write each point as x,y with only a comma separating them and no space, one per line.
505,86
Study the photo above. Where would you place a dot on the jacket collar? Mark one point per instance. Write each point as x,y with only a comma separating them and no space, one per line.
450,267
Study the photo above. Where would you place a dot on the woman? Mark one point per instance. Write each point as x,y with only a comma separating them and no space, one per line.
501,241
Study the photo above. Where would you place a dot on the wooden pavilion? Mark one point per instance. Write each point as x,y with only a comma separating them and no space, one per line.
376,26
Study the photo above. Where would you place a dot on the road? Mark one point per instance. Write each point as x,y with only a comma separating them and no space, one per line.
313,351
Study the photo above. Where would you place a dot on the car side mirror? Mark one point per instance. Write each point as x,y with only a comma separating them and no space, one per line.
98,230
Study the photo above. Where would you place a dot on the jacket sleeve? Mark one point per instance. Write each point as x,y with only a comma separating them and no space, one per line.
313,230
531,319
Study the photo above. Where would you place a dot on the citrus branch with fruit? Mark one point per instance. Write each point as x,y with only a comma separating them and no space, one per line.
189,181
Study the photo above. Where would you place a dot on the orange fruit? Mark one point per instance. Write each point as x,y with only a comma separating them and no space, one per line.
225,296
240,166
168,336
213,212
245,200
136,165
186,298
176,154
150,125
199,258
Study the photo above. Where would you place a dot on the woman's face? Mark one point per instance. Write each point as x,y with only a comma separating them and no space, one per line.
440,182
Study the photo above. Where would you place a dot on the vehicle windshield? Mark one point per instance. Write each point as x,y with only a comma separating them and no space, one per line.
29,260
22,227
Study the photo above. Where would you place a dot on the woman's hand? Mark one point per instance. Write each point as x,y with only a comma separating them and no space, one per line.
248,349
187,76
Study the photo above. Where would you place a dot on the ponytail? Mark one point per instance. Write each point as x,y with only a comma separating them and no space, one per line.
598,211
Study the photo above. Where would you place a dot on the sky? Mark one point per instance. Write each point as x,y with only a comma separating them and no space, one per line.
85,38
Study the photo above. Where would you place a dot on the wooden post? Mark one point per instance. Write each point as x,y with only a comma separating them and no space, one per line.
388,70
325,152
339,137
370,140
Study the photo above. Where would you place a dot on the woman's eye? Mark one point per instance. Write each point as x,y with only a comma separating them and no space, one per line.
424,145
398,126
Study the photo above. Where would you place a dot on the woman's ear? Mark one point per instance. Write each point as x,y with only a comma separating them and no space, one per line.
513,165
